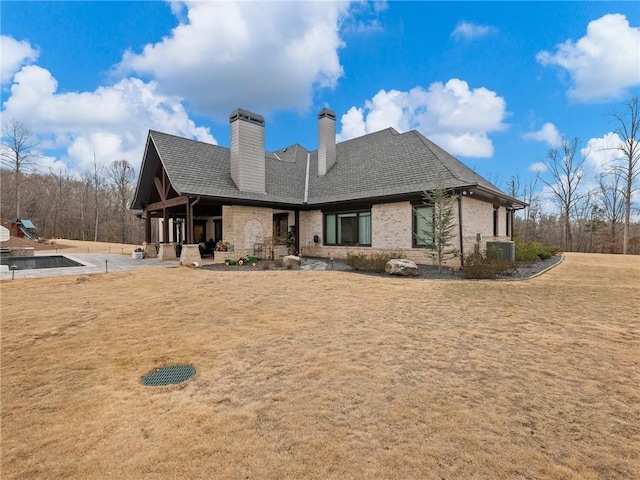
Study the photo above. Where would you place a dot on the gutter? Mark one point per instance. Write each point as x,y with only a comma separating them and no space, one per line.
306,180
460,231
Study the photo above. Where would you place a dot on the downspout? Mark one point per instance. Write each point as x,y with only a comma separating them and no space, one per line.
306,180
191,240
512,215
460,231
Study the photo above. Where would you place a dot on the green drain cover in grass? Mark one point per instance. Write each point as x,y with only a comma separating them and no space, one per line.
169,375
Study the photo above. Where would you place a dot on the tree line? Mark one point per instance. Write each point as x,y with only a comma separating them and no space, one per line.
599,218
94,205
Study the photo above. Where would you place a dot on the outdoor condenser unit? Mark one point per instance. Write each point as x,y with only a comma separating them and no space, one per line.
508,250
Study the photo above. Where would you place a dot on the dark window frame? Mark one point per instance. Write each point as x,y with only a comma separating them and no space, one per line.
416,243
335,214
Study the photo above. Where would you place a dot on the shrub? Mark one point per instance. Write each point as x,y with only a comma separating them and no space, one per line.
547,251
375,262
530,252
526,252
476,266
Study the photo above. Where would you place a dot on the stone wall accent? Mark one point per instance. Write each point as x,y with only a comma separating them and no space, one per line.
243,226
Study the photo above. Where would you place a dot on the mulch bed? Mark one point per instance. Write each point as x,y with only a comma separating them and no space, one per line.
426,271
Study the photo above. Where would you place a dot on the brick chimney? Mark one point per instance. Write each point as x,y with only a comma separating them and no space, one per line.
326,140
247,151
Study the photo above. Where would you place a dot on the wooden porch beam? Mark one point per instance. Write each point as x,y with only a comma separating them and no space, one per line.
159,187
172,202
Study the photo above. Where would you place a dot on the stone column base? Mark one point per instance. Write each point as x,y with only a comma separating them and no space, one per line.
150,250
167,252
190,253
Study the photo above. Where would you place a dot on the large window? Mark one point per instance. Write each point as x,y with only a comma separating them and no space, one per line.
351,228
423,226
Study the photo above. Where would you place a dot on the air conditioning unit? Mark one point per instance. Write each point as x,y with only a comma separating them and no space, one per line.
507,250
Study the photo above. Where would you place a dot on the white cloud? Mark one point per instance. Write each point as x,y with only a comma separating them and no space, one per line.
471,31
225,55
15,54
604,63
538,167
111,121
601,153
363,18
454,116
548,134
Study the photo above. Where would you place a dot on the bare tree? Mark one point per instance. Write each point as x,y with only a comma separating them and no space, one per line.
121,175
566,175
526,217
629,132
611,201
18,153
97,181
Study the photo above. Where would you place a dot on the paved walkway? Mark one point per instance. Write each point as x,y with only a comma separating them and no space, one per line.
95,263
92,263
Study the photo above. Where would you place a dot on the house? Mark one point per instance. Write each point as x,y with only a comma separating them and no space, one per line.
358,195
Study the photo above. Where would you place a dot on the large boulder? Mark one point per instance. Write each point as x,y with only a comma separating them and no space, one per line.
402,267
290,261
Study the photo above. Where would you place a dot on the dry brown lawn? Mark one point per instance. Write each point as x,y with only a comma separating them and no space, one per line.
71,246
79,246
327,375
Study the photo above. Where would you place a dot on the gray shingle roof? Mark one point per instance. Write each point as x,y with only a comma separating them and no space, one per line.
388,163
384,163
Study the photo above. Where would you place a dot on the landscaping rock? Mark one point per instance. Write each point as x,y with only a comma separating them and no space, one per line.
291,261
402,267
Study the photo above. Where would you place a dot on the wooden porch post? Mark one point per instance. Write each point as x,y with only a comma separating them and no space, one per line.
165,226
189,224
147,226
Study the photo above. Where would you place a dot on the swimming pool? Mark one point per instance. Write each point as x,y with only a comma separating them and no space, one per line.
44,261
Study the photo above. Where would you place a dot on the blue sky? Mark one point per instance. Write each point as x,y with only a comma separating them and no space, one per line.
495,83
